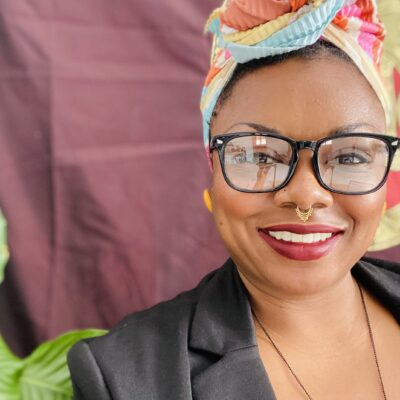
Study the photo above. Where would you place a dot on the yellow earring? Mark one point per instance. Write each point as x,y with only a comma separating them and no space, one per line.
384,208
207,200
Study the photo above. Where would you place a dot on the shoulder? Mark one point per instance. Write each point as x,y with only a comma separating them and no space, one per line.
140,346
382,279
378,269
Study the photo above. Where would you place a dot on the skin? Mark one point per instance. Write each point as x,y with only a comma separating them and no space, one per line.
311,308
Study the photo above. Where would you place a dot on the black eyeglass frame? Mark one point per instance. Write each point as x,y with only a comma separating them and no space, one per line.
219,142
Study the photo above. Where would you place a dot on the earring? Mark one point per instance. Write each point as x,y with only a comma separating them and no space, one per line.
384,208
207,200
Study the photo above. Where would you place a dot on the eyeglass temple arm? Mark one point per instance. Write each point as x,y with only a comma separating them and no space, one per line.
215,143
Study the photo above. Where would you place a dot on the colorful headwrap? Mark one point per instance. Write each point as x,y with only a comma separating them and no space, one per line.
245,30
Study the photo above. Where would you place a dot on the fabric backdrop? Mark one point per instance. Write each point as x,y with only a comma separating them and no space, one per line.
102,165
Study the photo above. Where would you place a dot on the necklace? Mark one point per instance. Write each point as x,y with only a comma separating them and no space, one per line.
371,337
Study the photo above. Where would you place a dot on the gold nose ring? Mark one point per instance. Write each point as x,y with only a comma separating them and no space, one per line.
304,215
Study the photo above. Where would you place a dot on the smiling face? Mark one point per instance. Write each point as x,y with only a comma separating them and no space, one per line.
303,100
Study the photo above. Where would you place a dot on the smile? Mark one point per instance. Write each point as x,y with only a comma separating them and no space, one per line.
298,238
301,242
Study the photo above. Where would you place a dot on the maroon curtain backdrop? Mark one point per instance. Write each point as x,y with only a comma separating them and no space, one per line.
102,167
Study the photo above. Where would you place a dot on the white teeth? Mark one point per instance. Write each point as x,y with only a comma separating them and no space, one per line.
298,238
308,238
287,236
316,237
325,236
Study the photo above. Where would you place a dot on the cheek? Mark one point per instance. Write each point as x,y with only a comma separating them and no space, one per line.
231,206
365,211
237,216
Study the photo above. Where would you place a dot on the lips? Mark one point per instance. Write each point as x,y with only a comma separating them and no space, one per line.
303,229
301,242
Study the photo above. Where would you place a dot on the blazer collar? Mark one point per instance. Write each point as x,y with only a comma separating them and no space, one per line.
222,321
223,325
382,279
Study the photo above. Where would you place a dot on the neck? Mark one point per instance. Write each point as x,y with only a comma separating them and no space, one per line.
318,322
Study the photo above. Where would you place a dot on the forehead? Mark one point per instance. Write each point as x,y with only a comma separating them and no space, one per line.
303,99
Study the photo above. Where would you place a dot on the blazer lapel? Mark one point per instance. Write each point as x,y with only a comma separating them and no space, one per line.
238,375
223,328
382,279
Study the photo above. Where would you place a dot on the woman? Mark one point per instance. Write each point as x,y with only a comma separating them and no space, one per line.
294,121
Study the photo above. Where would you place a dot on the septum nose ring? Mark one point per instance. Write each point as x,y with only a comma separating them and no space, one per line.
304,215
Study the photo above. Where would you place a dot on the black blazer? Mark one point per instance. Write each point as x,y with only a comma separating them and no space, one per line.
200,345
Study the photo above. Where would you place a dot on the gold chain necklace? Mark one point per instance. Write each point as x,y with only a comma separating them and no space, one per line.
371,337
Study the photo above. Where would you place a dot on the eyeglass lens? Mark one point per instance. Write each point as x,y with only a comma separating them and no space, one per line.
350,164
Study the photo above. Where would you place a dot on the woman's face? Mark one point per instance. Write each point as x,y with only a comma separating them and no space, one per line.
303,100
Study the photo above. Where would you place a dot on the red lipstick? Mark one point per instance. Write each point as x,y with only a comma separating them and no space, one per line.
302,251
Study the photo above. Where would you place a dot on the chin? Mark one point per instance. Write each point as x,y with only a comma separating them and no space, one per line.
282,276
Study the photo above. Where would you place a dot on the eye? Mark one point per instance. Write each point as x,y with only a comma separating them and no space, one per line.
352,158
264,158
349,156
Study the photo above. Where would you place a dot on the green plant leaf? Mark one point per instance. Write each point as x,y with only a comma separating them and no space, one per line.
3,246
10,367
44,374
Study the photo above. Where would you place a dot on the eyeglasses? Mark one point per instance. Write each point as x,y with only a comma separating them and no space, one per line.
349,163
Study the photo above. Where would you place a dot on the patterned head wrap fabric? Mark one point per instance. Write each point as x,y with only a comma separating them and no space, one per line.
245,30
250,29
388,234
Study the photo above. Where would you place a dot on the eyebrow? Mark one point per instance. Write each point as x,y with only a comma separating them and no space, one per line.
334,132
255,126
352,128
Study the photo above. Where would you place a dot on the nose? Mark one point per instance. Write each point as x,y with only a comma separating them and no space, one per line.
304,190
